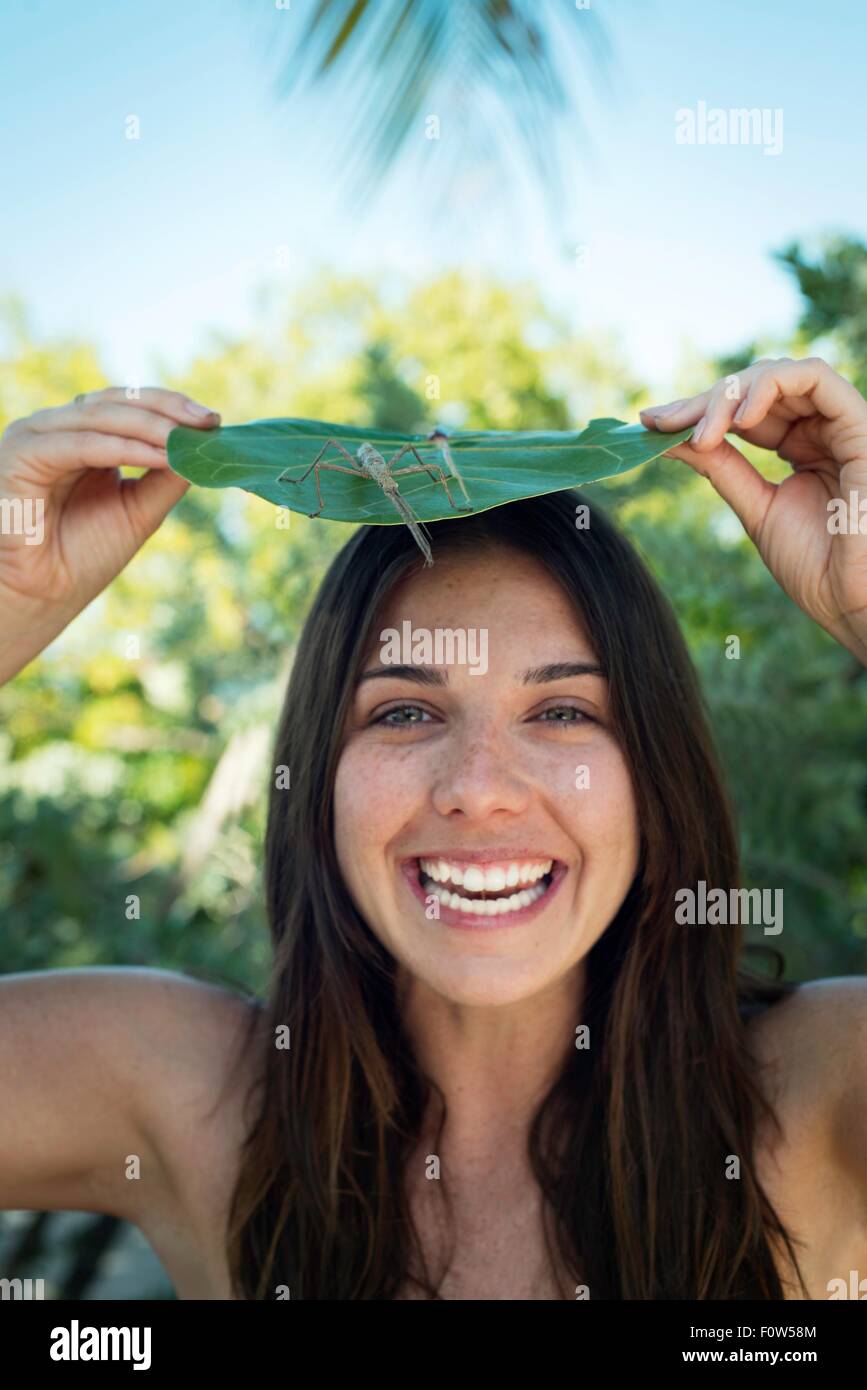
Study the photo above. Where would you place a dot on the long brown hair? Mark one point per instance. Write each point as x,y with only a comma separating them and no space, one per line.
633,1145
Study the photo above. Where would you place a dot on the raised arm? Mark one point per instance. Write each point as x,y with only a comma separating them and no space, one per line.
100,1070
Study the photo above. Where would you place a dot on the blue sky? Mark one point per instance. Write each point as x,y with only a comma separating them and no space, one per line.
145,245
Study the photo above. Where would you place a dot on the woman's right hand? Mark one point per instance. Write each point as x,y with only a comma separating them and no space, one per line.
62,464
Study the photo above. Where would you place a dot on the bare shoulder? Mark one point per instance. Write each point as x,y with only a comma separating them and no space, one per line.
810,1054
827,1018
202,1095
170,1029
191,1025
202,1061
103,1069
813,1046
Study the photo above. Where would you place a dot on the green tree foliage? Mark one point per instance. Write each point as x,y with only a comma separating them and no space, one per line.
834,286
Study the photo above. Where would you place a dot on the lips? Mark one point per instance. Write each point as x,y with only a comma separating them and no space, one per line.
507,887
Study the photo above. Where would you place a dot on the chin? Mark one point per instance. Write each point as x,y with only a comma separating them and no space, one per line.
486,981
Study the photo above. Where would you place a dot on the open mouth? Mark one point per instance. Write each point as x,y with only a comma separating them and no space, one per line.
476,891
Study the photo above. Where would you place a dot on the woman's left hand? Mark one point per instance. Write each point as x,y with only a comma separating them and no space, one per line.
810,529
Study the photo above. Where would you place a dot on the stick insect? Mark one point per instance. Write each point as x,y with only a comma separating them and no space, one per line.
370,463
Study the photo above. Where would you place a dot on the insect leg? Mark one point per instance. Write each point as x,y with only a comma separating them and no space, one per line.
434,471
317,464
335,468
439,437
283,479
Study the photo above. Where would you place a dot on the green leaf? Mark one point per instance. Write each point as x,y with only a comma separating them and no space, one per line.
497,466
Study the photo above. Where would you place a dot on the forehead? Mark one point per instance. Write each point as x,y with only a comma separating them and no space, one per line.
504,590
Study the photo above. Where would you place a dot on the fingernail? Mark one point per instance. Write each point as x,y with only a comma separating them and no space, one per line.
739,412
200,410
697,432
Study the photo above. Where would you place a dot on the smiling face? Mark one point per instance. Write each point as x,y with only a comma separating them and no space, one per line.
498,798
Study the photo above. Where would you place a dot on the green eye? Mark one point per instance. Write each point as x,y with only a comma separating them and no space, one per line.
385,719
579,716
388,721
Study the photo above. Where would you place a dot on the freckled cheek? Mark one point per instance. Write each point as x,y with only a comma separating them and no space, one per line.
594,790
374,798
616,814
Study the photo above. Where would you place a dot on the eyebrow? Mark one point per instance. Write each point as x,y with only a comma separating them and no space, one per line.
432,675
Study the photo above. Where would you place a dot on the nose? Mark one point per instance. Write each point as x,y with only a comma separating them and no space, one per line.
479,774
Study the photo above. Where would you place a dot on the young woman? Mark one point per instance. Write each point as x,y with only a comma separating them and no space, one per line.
492,1064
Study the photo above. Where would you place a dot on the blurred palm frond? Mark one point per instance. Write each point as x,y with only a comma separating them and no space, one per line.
497,70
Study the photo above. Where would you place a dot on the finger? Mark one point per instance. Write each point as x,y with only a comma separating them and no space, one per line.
174,404
803,446
725,403
808,385
713,413
108,418
735,479
51,456
783,409
681,414
149,500
678,415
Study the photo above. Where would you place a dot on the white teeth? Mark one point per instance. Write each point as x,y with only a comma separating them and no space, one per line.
488,907
477,878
